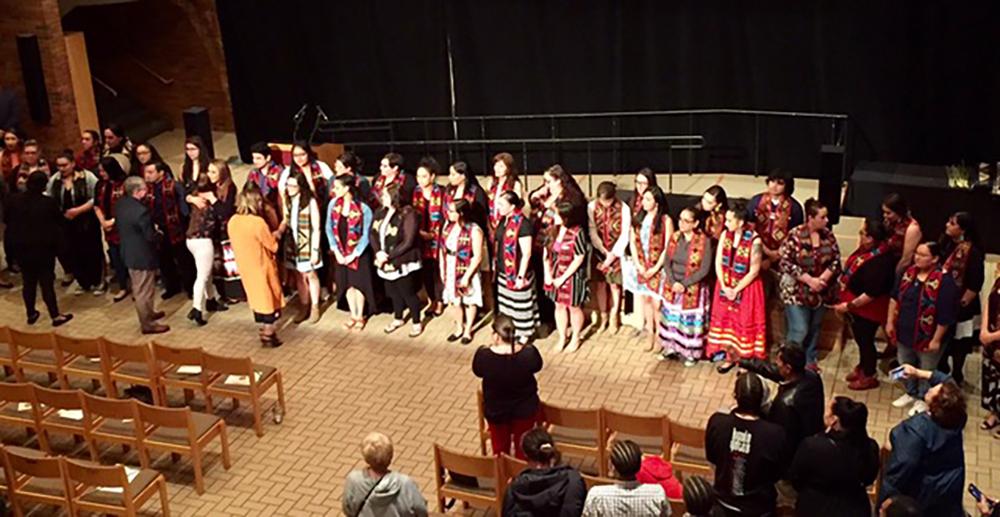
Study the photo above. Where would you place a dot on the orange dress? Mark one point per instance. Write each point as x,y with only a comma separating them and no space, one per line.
254,247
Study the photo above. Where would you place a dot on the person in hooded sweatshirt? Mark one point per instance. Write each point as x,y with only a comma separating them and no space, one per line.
378,492
927,458
545,488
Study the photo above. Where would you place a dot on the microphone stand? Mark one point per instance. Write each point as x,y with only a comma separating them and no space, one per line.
297,118
320,114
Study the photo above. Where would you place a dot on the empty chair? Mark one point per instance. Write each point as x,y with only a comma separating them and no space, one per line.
7,351
114,421
62,413
448,464
20,408
511,467
36,351
576,432
239,378
117,489
132,364
651,433
687,450
84,357
181,368
34,479
182,431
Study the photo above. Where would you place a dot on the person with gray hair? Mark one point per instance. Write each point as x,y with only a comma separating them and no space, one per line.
138,252
627,496
378,492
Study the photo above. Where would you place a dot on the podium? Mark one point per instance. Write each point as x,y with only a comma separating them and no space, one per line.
282,153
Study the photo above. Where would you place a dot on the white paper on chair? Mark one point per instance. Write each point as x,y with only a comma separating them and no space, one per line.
241,380
70,414
130,473
24,406
95,359
189,369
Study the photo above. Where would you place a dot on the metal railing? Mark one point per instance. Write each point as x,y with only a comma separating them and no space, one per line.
102,84
163,80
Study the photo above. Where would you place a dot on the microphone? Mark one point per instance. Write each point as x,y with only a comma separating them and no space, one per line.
322,113
301,113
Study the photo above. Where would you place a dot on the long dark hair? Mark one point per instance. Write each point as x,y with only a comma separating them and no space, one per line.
305,189
964,221
154,157
187,170
720,196
113,169
661,210
512,173
463,168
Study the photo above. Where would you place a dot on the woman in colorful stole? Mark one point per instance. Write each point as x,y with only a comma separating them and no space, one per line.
651,231
864,293
965,262
809,265
396,243
428,203
774,213
904,230
684,309
265,174
351,164
391,173
301,227
644,180
504,179
461,255
317,173
989,336
110,188
737,328
348,226
462,184
924,305
566,274
714,204
90,150
610,220
515,285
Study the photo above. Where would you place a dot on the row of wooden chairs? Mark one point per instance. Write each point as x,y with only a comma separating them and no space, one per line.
126,422
31,477
106,363
590,433
493,474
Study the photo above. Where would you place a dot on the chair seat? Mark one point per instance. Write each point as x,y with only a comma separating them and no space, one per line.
574,436
116,427
649,444
139,483
43,357
265,373
178,435
45,486
84,363
133,370
687,454
472,490
56,419
10,410
186,377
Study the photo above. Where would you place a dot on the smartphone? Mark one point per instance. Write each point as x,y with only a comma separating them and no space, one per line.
896,373
975,493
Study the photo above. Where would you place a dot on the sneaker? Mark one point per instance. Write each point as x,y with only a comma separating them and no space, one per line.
903,401
863,383
78,290
918,407
688,363
855,374
100,290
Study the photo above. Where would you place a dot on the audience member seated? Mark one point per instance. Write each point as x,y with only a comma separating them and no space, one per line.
831,471
798,405
927,461
628,496
699,498
659,471
545,488
900,506
749,452
378,492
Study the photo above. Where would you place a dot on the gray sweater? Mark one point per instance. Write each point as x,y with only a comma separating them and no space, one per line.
396,495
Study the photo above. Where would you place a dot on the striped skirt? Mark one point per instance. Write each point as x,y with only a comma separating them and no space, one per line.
683,330
519,305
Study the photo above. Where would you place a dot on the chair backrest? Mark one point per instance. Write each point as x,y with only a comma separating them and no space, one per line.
478,466
109,408
178,356
511,466
677,507
32,340
178,418
90,347
131,353
59,399
573,418
17,392
687,435
592,481
4,334
652,426
95,475
229,365
36,466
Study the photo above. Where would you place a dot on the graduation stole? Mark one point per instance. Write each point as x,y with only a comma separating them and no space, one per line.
696,254
655,250
609,222
355,225
772,221
563,251
509,247
898,233
462,252
431,213
171,211
736,262
715,223
858,259
497,188
318,181
957,261
380,184
926,305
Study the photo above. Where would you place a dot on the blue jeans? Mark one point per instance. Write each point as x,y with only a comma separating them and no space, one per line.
121,272
923,360
804,324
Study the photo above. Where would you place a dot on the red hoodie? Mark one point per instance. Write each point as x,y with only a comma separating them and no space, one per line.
656,471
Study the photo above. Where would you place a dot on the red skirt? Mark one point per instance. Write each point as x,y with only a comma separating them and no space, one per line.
740,325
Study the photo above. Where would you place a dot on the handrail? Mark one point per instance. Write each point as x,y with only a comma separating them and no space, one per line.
696,140
102,84
151,72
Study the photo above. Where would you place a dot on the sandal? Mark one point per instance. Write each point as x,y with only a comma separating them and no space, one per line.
349,324
359,324
393,326
989,423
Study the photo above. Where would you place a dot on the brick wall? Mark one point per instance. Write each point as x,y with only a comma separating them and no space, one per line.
178,39
40,17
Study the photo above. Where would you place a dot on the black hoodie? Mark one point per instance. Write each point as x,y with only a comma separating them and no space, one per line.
550,492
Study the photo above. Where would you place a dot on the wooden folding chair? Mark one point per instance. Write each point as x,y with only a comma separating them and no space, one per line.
19,408
447,463
650,433
37,351
484,430
182,431
239,378
34,479
8,352
132,364
592,481
577,432
687,450
114,421
677,507
510,468
182,368
116,490
62,412
86,359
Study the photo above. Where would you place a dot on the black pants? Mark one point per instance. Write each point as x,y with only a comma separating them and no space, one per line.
177,267
864,333
430,273
85,256
404,293
958,350
39,272
546,307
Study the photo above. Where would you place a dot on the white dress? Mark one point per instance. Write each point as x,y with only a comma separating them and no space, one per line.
475,295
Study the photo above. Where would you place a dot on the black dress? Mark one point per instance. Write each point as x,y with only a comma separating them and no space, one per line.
84,254
361,278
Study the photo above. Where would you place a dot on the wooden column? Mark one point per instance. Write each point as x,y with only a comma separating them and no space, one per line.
83,85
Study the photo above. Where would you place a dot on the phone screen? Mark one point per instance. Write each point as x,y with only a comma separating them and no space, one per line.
896,373
974,491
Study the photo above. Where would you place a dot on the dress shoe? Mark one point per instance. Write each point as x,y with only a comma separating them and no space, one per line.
195,316
212,305
314,315
61,320
863,383
121,295
158,315
156,329
855,374
169,294
33,317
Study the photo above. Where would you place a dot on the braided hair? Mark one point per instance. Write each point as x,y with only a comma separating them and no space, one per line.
699,496
626,457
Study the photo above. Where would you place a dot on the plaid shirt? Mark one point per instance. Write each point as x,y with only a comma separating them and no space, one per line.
627,499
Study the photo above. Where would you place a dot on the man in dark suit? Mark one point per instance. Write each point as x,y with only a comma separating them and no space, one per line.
138,250
34,222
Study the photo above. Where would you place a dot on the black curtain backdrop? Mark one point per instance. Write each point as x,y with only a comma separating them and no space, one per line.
916,78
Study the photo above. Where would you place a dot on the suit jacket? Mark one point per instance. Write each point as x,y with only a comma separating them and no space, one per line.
138,239
34,222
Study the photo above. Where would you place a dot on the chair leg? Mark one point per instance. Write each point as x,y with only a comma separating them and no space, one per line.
281,393
199,478
440,504
64,381
188,396
157,395
209,406
163,498
257,425
92,448
43,441
224,438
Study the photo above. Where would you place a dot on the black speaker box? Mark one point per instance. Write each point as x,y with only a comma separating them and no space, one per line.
196,123
831,178
34,78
